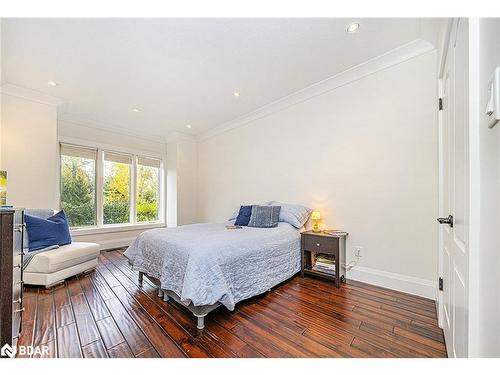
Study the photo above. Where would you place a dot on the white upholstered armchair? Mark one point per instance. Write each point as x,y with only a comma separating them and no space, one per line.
53,266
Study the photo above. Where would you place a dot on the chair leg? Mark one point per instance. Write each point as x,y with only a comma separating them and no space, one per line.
141,278
165,297
160,293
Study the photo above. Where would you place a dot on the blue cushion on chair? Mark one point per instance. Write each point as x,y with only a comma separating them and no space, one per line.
244,216
47,232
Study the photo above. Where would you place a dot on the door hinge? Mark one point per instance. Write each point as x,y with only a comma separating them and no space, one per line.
441,283
440,104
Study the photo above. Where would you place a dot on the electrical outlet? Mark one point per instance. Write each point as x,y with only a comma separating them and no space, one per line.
357,251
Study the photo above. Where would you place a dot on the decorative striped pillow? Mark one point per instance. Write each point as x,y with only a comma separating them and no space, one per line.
264,216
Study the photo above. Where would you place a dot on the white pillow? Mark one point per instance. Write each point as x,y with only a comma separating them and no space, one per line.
293,214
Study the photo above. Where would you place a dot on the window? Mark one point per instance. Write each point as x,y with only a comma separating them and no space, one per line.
100,188
116,188
78,183
148,183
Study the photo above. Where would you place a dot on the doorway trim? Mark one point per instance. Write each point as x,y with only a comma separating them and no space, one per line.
474,181
442,60
474,189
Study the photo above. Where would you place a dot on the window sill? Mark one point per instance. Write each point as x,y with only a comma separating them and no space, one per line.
115,228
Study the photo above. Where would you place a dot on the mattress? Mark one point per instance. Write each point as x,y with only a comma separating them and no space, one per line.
207,263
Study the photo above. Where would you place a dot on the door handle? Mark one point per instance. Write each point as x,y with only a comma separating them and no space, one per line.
20,227
446,220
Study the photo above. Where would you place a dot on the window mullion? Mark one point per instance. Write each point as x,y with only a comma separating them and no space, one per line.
100,188
161,194
133,190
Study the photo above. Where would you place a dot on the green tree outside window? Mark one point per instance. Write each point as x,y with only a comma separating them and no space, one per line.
78,190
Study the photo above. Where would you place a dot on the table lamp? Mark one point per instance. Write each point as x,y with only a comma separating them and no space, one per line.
3,188
316,216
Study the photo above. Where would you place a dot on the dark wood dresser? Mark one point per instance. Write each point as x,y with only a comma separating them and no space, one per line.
11,274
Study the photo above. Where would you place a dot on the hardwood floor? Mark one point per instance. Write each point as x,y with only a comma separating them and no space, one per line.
106,314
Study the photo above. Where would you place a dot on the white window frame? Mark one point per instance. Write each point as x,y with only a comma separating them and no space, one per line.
99,198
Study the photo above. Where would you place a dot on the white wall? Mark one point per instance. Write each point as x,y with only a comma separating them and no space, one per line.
187,179
365,154
1,122
171,182
1,83
29,151
182,170
489,238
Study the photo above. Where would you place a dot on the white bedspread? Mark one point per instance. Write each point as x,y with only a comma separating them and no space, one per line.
207,263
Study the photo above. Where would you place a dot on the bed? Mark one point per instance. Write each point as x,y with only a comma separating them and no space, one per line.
203,266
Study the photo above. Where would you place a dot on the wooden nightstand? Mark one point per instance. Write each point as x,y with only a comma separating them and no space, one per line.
322,243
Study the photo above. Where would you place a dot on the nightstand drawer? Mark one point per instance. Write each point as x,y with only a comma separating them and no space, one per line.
320,244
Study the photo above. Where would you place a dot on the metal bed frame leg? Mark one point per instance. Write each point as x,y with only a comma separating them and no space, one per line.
141,277
201,322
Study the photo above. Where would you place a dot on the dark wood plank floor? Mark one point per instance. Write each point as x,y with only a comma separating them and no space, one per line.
106,314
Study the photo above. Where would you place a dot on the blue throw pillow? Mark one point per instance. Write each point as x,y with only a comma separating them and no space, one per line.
244,216
47,232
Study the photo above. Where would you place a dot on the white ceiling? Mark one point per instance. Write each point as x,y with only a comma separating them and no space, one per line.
184,71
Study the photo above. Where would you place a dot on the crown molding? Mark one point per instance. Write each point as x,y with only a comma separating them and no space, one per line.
376,64
29,94
110,128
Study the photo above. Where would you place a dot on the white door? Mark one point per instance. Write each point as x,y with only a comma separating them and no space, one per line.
454,172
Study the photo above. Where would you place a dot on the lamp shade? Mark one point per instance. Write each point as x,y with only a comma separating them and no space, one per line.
316,215
3,188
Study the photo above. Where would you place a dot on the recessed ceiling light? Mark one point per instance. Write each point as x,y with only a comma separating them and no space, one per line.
188,126
352,28
136,110
52,83
236,93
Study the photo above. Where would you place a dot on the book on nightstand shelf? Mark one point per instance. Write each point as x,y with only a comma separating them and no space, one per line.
324,263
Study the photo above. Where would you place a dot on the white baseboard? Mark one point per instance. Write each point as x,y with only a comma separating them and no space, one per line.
395,281
112,244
